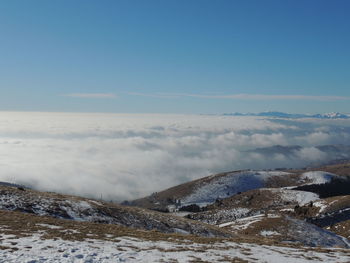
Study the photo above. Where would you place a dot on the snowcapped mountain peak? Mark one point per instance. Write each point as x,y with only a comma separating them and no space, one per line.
277,114
332,115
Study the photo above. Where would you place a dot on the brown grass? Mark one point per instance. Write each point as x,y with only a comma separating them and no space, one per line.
23,224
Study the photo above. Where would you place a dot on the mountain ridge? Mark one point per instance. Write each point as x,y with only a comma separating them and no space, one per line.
277,114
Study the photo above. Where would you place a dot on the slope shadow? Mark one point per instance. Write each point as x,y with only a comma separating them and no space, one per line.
336,187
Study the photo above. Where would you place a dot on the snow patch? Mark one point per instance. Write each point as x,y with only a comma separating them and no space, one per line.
244,223
300,197
317,177
267,233
321,204
181,231
49,226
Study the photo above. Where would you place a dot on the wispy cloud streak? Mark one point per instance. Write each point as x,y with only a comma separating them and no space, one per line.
244,96
92,95
156,95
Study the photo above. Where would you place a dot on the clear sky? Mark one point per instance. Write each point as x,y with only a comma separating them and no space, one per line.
166,56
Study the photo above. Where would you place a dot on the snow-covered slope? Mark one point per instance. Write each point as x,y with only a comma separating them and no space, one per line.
252,203
124,249
312,235
318,177
231,184
286,229
225,186
45,239
293,196
82,209
206,190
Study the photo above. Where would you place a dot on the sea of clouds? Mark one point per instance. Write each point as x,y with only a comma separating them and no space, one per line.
126,156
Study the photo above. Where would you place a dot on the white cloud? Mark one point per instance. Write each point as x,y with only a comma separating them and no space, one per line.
313,154
270,97
92,95
243,96
123,156
155,95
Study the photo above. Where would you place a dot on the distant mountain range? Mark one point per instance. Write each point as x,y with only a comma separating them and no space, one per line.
277,114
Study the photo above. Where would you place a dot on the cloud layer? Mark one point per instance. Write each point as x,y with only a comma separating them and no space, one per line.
122,156
92,95
243,96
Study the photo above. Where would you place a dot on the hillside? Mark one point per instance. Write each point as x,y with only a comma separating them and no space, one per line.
242,216
206,190
308,206
83,209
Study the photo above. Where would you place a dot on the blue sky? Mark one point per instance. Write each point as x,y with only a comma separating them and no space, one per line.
175,56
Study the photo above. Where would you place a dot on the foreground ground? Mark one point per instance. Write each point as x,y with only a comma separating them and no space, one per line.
45,239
